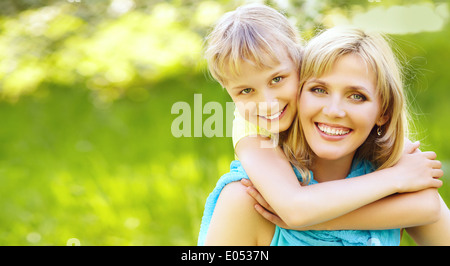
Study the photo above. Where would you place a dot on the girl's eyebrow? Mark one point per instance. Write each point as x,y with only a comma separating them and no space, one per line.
276,73
240,87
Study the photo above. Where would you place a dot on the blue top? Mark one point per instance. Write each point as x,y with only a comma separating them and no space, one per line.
285,237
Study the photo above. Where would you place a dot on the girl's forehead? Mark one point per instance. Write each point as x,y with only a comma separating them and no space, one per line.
251,74
264,62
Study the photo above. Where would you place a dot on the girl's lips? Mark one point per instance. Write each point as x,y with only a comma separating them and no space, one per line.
332,132
275,116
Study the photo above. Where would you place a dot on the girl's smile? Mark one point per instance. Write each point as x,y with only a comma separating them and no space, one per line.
274,117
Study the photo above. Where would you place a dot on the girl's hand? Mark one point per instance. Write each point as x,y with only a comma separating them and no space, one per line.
262,207
417,170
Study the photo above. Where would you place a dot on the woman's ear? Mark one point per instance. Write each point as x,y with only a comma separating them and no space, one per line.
382,120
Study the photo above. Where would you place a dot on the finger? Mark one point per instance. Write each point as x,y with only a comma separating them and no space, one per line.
435,164
246,182
437,173
436,183
429,154
269,216
411,147
408,142
257,196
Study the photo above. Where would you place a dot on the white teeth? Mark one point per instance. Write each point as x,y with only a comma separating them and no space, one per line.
332,131
274,115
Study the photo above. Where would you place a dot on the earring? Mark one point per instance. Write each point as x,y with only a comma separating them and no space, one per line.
379,131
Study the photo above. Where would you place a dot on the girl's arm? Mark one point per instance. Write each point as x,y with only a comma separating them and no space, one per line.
395,211
301,206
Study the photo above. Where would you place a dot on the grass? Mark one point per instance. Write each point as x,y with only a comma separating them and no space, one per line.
105,176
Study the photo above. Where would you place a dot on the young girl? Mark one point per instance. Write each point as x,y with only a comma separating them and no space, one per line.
412,173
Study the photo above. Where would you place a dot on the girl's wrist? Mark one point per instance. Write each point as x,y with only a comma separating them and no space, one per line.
393,178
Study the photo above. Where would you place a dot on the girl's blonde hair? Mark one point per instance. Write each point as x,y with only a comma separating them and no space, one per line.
320,54
253,33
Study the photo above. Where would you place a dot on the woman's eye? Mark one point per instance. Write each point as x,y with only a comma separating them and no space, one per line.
246,91
318,90
358,97
276,80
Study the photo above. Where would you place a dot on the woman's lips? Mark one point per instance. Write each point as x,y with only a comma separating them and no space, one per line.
333,130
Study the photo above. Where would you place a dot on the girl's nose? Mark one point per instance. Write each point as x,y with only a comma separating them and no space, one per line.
270,95
268,101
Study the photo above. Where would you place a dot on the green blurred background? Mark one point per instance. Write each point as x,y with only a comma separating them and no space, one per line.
86,90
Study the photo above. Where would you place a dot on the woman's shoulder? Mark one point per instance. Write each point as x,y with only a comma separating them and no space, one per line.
235,220
236,196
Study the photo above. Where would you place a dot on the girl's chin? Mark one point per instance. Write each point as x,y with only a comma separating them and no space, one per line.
275,128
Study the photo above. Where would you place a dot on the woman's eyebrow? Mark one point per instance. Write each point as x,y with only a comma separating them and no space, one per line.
317,81
350,87
358,88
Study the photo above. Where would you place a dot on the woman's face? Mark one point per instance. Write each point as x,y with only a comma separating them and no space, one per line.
339,109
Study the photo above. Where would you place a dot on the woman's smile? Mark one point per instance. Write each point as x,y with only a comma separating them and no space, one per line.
333,132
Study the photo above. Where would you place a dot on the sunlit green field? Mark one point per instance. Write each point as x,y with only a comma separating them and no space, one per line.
93,163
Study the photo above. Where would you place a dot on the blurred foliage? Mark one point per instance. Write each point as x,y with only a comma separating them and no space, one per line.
86,90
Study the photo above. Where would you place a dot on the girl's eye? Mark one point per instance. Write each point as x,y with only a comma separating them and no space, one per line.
358,97
276,80
246,91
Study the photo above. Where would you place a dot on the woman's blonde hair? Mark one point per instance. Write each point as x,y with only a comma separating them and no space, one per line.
253,33
320,54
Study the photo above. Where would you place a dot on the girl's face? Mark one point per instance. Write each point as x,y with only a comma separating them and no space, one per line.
267,97
339,109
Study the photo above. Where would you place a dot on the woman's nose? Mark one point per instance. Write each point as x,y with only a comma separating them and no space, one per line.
334,109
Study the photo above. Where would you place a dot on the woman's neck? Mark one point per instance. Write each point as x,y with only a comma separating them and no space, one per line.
328,170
